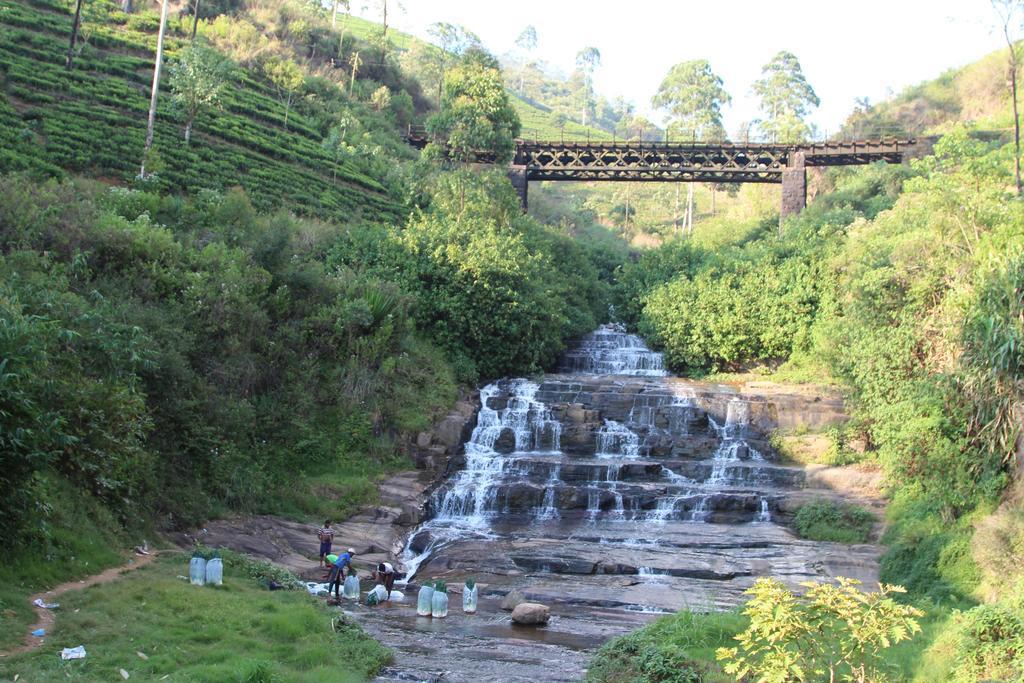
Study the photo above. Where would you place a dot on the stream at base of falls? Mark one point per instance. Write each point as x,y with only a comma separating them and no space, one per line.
612,493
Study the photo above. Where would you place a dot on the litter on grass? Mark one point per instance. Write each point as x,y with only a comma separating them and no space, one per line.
73,652
38,602
39,632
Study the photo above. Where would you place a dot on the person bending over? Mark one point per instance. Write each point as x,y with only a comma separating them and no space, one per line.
385,575
337,576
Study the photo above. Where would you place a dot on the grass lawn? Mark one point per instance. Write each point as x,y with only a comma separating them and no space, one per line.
237,632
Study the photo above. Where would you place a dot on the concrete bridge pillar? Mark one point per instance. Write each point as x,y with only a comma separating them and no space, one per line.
794,186
517,174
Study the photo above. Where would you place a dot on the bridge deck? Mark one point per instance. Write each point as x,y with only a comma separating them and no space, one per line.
724,162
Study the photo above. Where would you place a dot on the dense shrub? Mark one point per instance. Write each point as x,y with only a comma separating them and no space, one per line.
497,289
986,643
825,520
177,370
678,648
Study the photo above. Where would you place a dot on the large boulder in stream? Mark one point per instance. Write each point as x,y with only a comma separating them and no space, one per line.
531,614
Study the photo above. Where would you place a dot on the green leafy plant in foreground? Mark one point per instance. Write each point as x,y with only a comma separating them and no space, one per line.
833,632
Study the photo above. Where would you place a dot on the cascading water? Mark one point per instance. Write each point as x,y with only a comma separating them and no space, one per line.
594,493
620,470
609,350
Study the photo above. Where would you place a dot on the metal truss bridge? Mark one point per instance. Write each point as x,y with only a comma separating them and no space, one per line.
726,162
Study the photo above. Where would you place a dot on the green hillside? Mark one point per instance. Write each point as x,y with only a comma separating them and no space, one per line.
540,122
975,94
92,119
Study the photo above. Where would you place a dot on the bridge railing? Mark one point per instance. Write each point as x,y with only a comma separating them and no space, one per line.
845,135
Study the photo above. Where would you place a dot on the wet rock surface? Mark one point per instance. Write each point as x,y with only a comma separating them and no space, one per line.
610,499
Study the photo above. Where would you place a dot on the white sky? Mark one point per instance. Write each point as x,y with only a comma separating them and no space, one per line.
847,49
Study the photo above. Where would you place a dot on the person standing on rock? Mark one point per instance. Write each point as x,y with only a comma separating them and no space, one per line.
385,575
326,536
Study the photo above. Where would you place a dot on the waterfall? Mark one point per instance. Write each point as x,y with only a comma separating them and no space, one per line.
700,511
547,509
616,439
610,350
470,498
615,480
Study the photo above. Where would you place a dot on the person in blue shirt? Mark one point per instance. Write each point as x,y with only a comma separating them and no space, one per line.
337,575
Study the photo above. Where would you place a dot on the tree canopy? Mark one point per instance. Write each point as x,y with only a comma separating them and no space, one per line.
786,99
693,97
476,113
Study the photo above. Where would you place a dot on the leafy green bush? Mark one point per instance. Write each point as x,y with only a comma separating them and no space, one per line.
830,632
827,520
986,643
213,362
674,649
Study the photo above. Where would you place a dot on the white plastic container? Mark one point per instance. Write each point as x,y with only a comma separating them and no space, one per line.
350,589
425,601
215,572
439,605
197,571
469,599
380,591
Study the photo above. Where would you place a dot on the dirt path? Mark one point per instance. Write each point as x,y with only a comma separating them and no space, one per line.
45,618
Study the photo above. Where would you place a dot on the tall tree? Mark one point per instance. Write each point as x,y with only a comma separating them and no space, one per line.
286,77
786,99
692,96
197,79
75,25
587,60
195,20
157,67
476,117
334,10
527,42
454,41
1010,15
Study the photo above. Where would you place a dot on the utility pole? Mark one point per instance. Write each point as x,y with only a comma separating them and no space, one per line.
156,87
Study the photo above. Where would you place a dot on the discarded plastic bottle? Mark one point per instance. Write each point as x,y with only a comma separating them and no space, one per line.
197,571
214,572
439,604
351,588
469,598
425,601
